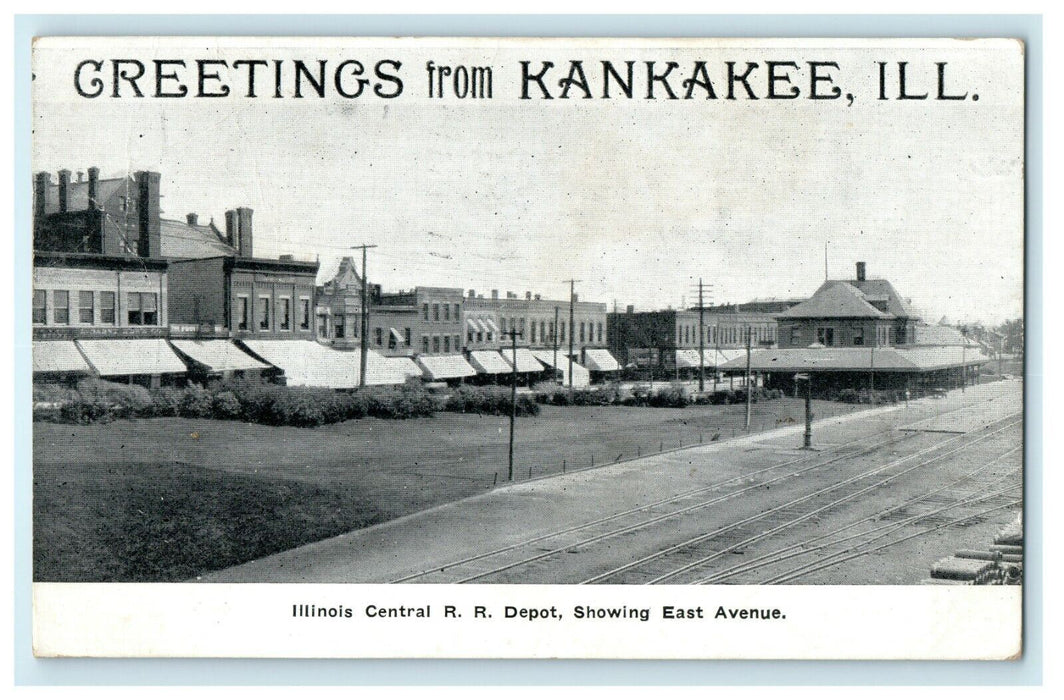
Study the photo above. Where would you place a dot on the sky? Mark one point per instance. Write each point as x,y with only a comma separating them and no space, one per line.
636,199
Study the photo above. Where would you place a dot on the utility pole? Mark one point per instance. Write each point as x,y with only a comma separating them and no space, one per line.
749,390
513,333
872,370
807,439
572,327
964,359
716,354
363,344
554,339
701,340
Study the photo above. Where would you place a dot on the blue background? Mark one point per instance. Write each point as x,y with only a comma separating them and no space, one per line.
31,671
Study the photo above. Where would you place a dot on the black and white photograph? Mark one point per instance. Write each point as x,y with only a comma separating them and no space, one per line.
649,339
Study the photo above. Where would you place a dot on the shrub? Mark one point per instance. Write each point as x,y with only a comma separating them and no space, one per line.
196,403
226,405
672,396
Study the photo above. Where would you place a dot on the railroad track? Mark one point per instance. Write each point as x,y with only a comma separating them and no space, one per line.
689,560
484,566
833,547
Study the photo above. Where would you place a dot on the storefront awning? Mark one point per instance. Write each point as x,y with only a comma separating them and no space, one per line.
491,325
600,360
526,361
581,377
218,355
120,357
307,363
59,356
437,367
688,357
489,362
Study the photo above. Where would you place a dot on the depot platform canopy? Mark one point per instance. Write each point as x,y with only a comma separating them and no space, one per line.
880,359
59,356
600,360
489,362
218,355
440,367
526,361
119,357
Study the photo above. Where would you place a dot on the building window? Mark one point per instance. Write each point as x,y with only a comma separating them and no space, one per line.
435,312
285,313
796,336
470,336
61,303
242,313
533,332
446,343
264,313
489,336
435,343
825,336
563,333
858,336
457,343
457,312
142,310
446,312
378,336
425,308
107,308
581,331
407,337
85,308
480,336
304,314
424,343
40,306
600,332
323,327
339,328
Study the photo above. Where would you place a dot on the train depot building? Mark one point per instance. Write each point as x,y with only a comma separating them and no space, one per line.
860,335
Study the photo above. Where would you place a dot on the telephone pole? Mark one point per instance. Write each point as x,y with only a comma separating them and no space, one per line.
554,340
363,344
701,340
514,334
749,390
572,326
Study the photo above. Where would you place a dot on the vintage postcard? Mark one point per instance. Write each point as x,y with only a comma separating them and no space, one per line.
675,348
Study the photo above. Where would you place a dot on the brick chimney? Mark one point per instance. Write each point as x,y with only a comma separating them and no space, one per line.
494,292
472,294
232,236
860,272
630,309
41,183
192,219
64,190
94,187
149,244
243,219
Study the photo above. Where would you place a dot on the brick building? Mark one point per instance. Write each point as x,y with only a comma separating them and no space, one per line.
667,341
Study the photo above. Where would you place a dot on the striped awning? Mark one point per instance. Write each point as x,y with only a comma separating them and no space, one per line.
218,355
491,325
600,360
120,357
489,362
59,356
397,336
438,367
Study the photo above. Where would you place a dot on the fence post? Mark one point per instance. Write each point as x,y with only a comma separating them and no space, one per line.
592,459
495,481
563,466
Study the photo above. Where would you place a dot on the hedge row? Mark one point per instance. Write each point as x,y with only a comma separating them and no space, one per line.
671,396
94,401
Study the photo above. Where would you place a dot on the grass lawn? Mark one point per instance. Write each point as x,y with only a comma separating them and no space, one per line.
165,499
